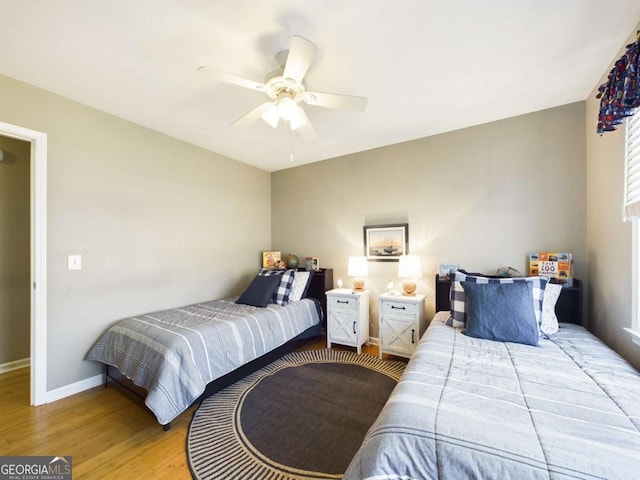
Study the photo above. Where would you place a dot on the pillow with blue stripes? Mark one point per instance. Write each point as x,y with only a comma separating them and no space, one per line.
458,316
301,283
501,311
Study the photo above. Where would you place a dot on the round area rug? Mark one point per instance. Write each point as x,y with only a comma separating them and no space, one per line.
301,417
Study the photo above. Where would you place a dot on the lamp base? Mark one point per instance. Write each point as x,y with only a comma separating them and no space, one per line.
358,285
409,288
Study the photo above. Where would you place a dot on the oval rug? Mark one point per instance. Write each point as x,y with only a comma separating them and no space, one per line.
301,417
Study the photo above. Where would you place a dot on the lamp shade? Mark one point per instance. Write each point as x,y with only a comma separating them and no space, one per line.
271,116
287,107
297,119
357,267
409,266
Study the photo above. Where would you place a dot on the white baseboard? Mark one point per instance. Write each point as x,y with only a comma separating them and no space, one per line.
72,389
15,365
635,335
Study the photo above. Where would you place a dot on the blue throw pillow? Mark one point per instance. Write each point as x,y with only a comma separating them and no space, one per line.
501,311
260,291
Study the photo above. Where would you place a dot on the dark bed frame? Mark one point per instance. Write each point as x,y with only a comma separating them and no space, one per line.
568,307
115,378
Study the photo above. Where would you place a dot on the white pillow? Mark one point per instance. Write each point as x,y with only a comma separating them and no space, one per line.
299,285
549,323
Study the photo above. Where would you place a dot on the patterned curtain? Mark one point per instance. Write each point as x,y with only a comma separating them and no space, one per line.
620,95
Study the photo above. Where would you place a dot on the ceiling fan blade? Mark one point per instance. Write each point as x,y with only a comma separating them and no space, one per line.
334,100
301,54
253,115
233,79
306,129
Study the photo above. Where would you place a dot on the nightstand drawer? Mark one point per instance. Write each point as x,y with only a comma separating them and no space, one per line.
345,303
406,308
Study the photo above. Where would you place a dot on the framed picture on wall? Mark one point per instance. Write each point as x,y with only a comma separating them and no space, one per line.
386,243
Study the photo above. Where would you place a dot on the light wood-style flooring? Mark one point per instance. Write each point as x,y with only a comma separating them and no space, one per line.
108,435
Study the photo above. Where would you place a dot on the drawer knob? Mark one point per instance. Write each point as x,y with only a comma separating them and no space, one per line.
413,335
343,301
398,308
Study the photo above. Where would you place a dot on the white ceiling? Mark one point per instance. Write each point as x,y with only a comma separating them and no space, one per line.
426,66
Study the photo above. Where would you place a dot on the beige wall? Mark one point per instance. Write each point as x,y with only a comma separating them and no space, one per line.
159,223
608,237
14,250
482,197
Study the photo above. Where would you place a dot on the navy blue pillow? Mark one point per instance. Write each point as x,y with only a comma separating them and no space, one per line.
260,292
501,311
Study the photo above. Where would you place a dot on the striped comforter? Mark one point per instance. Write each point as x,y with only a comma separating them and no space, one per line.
472,408
173,354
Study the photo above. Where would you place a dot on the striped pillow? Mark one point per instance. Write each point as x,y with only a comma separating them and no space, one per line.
301,283
458,316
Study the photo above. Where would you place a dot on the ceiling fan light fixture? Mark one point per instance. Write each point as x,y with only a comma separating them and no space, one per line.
287,107
271,116
297,119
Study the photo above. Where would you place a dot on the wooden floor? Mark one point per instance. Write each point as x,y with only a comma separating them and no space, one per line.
107,434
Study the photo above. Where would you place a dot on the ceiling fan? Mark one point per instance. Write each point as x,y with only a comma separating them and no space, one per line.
287,89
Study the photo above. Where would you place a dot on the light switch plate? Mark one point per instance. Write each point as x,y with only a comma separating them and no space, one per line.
74,262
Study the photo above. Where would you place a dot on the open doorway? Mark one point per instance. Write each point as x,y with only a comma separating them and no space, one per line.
15,253
38,270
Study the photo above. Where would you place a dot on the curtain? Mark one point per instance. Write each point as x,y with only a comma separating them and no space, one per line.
620,94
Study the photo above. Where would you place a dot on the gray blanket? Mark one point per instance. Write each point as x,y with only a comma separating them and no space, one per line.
173,354
472,408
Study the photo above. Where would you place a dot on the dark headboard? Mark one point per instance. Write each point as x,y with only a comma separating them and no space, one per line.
568,307
321,281
443,301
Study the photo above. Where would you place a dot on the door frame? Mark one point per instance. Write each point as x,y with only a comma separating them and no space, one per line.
38,182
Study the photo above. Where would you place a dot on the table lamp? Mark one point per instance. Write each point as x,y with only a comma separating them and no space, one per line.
410,268
358,268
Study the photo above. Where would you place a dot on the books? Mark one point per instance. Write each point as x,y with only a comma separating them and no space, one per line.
270,259
557,266
445,269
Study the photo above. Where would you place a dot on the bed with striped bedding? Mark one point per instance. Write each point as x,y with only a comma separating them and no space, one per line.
175,353
474,408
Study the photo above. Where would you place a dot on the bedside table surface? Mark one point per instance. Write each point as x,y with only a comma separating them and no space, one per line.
346,292
402,298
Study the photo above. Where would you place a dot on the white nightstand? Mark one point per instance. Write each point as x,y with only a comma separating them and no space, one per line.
347,318
402,323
